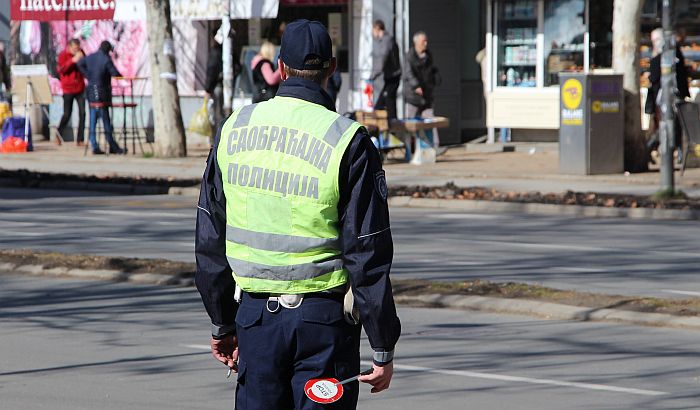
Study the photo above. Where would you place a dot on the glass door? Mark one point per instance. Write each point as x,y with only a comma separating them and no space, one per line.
564,33
516,23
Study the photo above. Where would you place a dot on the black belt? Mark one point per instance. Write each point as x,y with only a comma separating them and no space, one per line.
326,294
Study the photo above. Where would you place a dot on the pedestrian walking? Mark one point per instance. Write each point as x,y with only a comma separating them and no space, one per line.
214,80
266,79
73,85
653,102
99,69
420,79
292,213
386,69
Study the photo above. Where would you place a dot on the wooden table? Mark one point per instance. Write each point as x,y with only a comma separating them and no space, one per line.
414,134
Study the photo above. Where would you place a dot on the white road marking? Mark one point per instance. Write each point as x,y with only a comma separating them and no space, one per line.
137,213
578,269
466,216
681,292
501,377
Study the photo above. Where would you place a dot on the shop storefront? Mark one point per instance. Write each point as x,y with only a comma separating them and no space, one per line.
529,43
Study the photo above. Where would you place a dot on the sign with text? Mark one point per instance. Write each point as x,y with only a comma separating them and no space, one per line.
52,10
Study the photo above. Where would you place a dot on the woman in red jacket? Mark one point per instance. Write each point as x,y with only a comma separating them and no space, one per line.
73,86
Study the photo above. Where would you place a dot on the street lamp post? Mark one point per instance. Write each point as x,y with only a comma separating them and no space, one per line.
668,88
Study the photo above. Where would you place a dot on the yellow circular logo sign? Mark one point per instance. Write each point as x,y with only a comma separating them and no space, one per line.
571,93
596,107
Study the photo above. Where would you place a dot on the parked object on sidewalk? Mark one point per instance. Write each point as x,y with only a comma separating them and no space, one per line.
13,145
199,122
14,128
5,112
689,119
591,137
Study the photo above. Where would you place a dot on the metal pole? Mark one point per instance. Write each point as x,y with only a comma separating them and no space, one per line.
26,111
668,88
227,52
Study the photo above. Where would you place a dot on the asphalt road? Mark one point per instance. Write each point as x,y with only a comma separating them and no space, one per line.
69,344
623,256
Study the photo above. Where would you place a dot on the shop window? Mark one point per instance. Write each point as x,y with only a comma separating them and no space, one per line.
564,31
517,43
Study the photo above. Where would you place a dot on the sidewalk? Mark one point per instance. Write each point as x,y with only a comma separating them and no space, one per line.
533,167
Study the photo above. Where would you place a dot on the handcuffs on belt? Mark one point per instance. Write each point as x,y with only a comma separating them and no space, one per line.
286,301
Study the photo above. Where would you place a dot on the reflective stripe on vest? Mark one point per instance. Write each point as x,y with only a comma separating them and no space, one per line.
302,271
277,242
280,161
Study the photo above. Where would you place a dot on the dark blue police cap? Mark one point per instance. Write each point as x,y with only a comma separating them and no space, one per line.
303,40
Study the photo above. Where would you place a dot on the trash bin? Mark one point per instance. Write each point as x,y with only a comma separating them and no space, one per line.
591,124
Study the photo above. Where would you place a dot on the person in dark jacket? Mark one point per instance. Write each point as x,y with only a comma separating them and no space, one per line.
4,69
420,78
652,106
99,69
214,80
386,69
419,81
213,83
73,85
281,348
333,87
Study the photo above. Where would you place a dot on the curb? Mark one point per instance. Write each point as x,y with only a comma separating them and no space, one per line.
22,178
547,310
98,274
544,209
552,311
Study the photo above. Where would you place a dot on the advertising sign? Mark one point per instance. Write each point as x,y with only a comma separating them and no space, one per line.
51,10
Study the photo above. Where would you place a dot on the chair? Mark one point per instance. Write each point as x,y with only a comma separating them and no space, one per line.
125,88
689,115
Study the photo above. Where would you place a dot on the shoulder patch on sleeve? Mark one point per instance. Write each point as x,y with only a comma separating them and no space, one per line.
380,185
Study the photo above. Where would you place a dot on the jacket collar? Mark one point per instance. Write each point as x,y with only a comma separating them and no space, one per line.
305,90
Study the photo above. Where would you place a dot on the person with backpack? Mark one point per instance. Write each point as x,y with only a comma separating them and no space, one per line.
266,79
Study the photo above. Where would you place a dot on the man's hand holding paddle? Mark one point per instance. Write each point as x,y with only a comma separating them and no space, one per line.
380,378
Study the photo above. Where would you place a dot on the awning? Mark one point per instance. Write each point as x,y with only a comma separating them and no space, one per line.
245,9
314,2
197,9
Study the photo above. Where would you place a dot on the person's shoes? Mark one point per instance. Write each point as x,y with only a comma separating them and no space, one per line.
57,139
117,150
97,152
79,144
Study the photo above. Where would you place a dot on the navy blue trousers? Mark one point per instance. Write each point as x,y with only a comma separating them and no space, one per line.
279,352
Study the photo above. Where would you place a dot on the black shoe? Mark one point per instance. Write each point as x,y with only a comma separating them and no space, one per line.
117,150
97,152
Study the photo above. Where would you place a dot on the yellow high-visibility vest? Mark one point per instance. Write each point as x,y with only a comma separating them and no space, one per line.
279,161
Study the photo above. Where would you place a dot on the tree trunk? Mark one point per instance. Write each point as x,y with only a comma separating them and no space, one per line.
626,36
169,130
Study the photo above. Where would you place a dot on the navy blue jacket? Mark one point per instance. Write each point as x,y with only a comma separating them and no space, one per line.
98,69
367,245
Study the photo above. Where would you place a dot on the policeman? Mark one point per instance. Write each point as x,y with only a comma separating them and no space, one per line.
292,213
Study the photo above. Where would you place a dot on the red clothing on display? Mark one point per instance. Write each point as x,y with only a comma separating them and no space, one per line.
72,80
